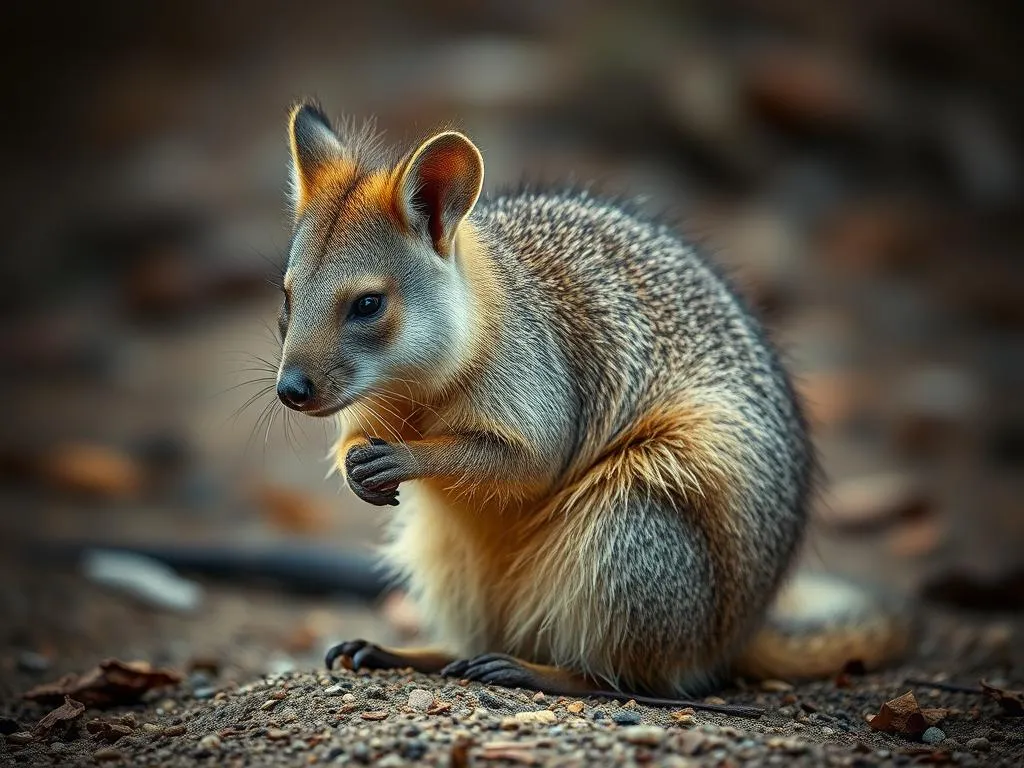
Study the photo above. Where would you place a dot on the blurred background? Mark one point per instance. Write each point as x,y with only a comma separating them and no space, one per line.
856,166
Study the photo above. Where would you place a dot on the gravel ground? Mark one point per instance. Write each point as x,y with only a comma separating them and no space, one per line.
404,719
224,711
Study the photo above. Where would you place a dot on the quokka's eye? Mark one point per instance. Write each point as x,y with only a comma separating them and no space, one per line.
367,306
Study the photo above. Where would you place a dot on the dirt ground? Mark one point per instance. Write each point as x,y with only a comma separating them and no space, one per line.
224,711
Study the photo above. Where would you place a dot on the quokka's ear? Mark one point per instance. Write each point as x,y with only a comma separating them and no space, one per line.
314,146
437,187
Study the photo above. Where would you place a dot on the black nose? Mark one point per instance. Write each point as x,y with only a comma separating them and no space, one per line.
294,388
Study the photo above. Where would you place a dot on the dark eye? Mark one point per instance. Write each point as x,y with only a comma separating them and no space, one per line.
368,305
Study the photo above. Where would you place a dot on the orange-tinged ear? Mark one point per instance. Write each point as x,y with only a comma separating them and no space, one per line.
437,187
315,147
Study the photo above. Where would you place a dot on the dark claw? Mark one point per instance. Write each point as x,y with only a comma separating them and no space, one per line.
493,669
386,496
456,669
349,648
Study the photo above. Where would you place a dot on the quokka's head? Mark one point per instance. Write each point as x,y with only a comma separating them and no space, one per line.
375,299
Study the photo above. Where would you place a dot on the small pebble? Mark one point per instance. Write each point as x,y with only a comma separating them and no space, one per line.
174,730
414,749
277,734
626,717
650,735
204,693
107,753
979,745
349,698
931,736
538,696
210,741
334,690
420,699
544,716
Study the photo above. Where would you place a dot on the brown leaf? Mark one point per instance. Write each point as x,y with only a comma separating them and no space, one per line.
107,731
112,682
94,470
904,715
61,717
1012,702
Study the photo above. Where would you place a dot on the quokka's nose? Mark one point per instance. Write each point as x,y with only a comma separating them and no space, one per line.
295,388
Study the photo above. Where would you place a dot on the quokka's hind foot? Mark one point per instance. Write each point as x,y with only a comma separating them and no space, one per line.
362,654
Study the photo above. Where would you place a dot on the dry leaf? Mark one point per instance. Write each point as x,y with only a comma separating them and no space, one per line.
1012,702
94,470
107,731
60,718
904,715
112,682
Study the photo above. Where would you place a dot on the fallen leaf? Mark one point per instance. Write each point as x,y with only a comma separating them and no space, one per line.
94,470
112,682
107,731
904,715
1012,702
60,718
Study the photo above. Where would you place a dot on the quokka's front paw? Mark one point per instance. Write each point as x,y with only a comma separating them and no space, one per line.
374,470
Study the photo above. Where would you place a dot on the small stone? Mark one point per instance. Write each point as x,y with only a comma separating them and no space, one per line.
575,707
980,744
420,699
380,715
21,737
210,741
269,704
510,723
827,731
716,700
543,716
335,690
277,734
349,698
626,717
107,753
153,729
932,735
775,686
650,735
489,700
174,730
414,749
376,692
204,693
538,697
